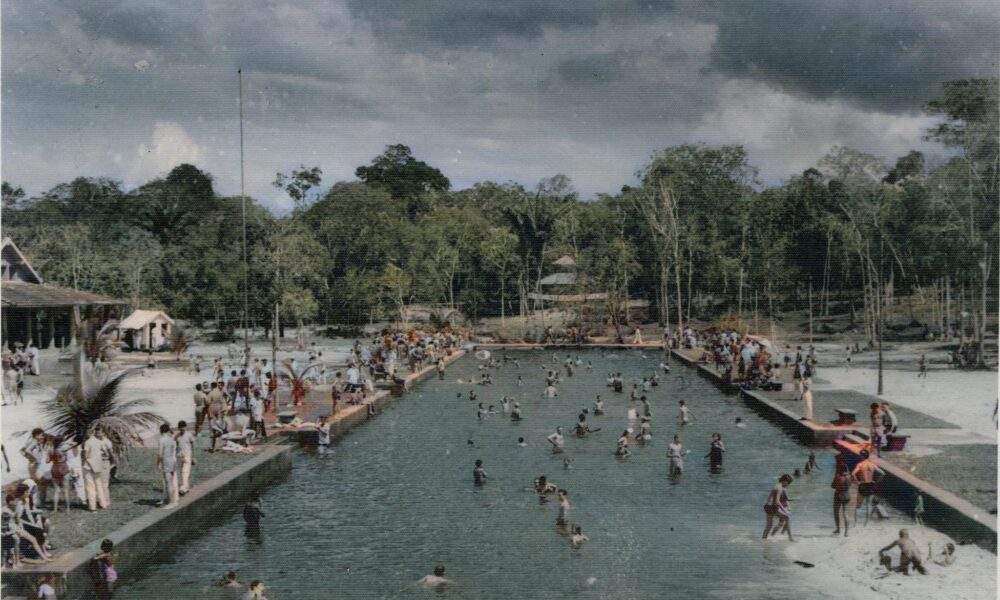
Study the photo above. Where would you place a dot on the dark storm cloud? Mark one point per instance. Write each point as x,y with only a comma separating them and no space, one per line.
886,54
138,23
485,89
445,23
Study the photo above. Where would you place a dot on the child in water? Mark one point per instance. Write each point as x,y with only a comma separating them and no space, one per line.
479,474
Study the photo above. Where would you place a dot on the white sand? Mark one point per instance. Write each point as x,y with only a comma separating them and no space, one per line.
169,389
850,565
963,398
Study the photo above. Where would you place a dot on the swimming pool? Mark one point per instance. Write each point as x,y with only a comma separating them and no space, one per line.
396,497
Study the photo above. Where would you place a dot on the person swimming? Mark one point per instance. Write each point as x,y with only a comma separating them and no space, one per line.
739,422
577,539
481,413
521,443
436,580
544,487
479,474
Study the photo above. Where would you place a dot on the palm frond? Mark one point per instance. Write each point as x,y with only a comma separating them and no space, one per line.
86,404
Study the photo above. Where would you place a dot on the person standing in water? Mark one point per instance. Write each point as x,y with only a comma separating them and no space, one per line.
515,413
598,406
622,449
556,439
479,474
714,455
675,453
684,415
776,507
562,521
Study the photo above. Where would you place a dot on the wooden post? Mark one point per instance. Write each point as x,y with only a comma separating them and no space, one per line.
810,312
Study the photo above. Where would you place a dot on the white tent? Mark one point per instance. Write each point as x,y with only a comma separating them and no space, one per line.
145,329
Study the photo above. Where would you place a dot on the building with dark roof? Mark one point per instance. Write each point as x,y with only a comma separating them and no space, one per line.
36,312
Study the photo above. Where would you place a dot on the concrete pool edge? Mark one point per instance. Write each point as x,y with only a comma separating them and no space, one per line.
157,532
946,511
349,417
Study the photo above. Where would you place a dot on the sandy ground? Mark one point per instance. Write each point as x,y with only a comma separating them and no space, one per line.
963,398
851,565
170,391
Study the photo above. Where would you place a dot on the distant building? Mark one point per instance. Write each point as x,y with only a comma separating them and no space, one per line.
43,314
146,329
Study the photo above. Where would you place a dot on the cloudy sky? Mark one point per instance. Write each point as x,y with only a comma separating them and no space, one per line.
483,89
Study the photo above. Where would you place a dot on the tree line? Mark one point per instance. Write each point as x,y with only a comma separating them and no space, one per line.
698,236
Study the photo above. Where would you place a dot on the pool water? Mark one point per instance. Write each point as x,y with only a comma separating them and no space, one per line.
396,497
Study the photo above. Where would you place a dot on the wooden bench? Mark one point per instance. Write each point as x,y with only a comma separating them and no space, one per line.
846,417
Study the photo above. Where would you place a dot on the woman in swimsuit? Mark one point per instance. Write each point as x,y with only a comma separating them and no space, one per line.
714,455
776,507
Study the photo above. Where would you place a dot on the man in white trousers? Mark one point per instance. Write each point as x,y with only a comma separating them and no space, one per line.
185,456
97,470
166,460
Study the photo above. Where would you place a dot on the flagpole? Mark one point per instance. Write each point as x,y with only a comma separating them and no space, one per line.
246,268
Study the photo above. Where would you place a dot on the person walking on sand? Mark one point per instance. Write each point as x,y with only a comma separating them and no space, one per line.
166,461
841,498
864,474
922,366
776,507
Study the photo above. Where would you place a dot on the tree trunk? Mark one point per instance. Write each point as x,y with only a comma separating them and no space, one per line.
690,277
810,312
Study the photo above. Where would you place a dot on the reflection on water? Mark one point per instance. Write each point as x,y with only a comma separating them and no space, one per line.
396,497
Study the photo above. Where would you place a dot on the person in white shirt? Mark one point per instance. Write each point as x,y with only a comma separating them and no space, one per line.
34,367
556,439
577,539
684,416
166,460
185,455
257,416
676,452
97,470
45,589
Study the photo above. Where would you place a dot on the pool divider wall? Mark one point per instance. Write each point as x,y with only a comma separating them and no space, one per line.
955,516
947,512
352,416
157,532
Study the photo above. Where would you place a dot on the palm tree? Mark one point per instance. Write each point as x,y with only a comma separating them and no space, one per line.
87,404
297,379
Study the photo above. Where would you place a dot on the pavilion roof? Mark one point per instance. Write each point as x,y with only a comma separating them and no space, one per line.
19,294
